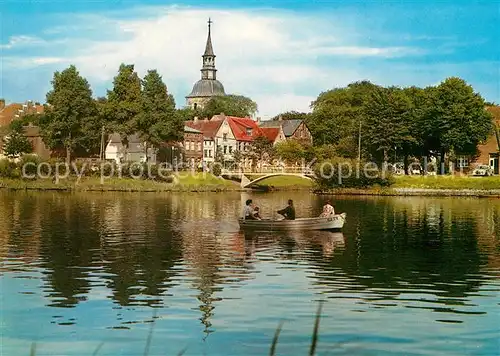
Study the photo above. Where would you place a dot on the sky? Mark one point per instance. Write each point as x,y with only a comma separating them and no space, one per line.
281,54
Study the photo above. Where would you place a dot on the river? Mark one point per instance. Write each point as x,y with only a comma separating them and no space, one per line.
408,275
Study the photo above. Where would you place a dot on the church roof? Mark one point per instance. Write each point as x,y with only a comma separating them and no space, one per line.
207,88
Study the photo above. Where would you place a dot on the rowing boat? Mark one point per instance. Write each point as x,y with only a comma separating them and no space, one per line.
335,222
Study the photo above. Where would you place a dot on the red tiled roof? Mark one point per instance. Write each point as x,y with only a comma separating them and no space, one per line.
8,114
270,132
239,126
209,128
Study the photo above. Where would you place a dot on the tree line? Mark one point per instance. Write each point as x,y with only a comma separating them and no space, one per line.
441,121
76,123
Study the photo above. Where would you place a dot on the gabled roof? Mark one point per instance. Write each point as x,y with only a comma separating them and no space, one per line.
209,128
116,139
271,133
239,126
289,126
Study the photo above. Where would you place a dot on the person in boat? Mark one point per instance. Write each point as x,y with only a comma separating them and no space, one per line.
256,213
289,212
328,210
248,210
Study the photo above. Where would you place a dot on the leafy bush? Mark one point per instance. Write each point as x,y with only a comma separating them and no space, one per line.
348,173
216,170
30,164
8,168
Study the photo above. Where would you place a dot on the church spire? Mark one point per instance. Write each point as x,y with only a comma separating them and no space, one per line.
209,51
208,70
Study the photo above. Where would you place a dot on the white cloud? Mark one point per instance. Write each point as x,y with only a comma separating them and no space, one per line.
271,56
21,41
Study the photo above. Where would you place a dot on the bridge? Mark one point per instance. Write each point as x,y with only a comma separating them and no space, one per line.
248,177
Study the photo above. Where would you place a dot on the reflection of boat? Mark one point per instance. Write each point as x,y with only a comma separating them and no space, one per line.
336,222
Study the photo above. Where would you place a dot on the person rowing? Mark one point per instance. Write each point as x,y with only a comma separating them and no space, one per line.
289,212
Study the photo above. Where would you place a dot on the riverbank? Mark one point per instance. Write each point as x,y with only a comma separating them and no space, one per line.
188,183
445,186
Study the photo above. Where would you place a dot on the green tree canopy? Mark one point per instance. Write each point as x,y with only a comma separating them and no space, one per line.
124,101
456,119
231,105
71,110
291,115
16,142
158,120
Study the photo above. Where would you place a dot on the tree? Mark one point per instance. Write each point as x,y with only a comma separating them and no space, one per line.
456,119
69,111
290,150
125,102
231,105
16,142
337,113
291,115
387,127
260,149
158,121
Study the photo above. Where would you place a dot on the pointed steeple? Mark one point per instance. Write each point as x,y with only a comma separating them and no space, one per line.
209,51
208,70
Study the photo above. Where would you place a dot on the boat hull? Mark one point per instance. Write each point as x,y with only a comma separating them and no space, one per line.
335,222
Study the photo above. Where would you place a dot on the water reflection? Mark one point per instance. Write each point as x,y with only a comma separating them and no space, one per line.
430,254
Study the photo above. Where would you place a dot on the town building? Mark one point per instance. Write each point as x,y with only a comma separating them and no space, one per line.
17,111
209,129
208,86
488,150
294,128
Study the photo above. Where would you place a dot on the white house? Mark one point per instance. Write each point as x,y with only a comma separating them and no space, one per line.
135,152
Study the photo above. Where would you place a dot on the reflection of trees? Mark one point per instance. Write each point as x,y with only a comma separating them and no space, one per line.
414,242
69,239
140,249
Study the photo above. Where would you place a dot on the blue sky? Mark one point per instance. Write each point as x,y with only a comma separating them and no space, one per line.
281,54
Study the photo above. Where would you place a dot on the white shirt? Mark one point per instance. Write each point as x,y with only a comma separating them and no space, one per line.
247,211
328,210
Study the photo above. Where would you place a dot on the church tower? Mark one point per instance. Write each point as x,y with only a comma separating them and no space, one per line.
208,86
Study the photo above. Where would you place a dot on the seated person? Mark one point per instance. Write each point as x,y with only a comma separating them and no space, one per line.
256,213
248,210
289,212
328,210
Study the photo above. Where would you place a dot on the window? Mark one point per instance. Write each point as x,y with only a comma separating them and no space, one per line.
462,162
195,106
205,153
249,131
199,146
186,145
230,149
210,153
224,137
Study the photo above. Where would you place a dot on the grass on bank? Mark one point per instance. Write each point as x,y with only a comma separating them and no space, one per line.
447,182
185,182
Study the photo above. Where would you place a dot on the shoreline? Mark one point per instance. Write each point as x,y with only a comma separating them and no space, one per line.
401,192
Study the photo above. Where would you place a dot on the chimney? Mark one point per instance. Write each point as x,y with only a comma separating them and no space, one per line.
195,119
258,119
223,115
280,118
2,104
205,119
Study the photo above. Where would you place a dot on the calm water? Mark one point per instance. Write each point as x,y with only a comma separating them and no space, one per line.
412,276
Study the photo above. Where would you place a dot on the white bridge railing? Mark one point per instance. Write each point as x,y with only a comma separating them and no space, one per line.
269,170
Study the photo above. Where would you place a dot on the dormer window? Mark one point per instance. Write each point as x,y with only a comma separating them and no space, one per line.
249,131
